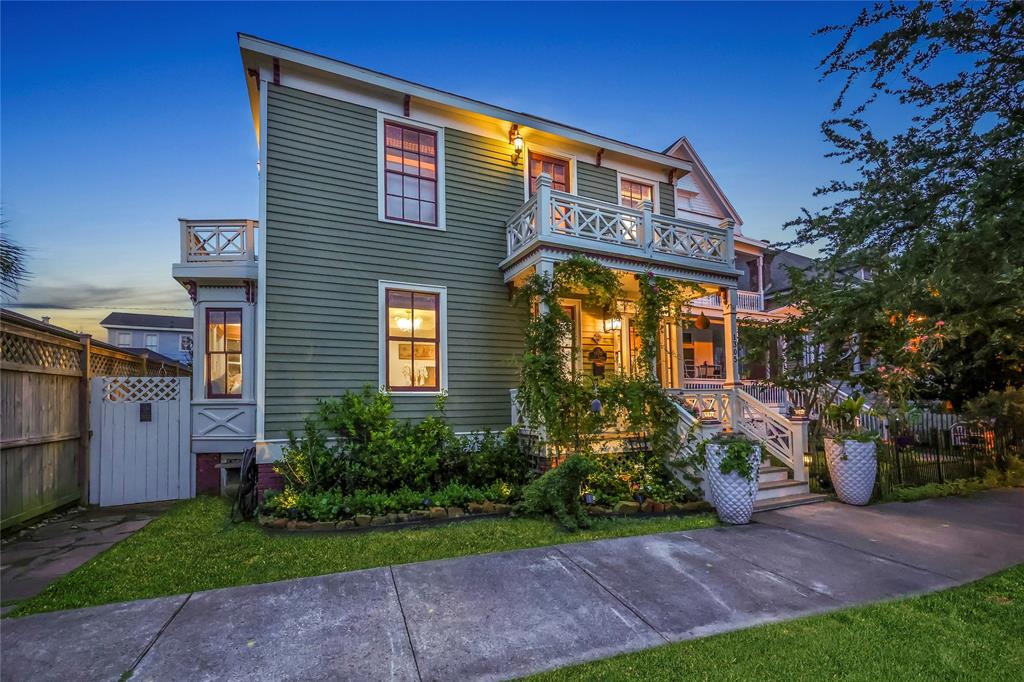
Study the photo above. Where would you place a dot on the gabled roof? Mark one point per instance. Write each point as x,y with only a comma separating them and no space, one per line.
682,149
253,45
148,321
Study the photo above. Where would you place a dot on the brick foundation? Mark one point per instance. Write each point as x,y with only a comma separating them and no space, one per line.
207,474
268,480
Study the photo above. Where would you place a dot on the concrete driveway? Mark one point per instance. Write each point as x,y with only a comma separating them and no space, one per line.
499,616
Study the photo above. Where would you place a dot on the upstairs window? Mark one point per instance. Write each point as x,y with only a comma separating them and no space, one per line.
410,174
224,353
557,168
633,194
152,342
124,339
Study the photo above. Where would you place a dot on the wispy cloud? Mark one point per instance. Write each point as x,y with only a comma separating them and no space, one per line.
83,295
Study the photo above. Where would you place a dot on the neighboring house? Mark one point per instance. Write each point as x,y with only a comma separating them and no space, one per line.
168,335
395,220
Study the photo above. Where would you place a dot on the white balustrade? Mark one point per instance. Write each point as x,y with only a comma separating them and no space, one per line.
591,219
692,240
554,216
204,241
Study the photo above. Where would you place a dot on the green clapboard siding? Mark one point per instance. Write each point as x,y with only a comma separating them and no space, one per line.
667,199
326,251
596,182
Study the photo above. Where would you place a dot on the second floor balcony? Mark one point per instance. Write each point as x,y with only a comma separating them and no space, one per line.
559,219
219,250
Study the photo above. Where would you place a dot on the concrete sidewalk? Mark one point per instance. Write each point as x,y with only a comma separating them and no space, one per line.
499,616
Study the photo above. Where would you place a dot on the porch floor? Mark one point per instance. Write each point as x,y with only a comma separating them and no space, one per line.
504,615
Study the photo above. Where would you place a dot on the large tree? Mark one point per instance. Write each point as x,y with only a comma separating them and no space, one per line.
936,210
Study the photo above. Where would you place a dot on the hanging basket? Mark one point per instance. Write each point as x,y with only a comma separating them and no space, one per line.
732,495
853,466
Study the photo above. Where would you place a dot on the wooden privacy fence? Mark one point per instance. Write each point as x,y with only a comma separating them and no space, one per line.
44,411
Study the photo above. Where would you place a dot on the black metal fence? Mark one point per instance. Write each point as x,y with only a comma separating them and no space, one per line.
926,454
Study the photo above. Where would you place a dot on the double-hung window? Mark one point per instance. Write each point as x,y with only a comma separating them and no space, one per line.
224,353
412,327
152,342
411,174
633,194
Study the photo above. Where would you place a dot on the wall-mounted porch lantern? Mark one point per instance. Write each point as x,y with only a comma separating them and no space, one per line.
611,324
516,140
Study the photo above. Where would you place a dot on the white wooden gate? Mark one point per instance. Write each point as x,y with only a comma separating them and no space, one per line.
139,450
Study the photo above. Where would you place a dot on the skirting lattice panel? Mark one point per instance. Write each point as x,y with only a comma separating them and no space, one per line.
140,389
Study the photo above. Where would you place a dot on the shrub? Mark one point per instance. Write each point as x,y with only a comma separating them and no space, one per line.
557,492
372,451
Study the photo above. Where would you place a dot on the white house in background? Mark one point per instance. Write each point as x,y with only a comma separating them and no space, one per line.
168,335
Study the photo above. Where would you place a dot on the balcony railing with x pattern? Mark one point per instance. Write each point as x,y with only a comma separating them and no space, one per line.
564,219
206,241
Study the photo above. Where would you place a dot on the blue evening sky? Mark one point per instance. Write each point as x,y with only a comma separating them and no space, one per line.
119,118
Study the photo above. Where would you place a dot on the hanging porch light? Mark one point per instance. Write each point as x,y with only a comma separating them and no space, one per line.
702,321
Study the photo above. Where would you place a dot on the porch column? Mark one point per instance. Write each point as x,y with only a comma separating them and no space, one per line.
546,269
732,364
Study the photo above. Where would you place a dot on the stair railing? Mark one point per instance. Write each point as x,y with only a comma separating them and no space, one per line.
783,439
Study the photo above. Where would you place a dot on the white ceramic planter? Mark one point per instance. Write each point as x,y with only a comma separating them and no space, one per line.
731,494
853,467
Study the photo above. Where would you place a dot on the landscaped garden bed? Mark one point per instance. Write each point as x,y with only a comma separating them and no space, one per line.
438,516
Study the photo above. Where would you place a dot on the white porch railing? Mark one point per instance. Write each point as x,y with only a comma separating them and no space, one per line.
749,301
206,241
777,434
566,219
773,396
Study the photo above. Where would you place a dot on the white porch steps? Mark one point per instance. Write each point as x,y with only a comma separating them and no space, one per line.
776,490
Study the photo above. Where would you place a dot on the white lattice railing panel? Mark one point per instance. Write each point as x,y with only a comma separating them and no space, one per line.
218,242
588,219
140,389
708,405
680,239
760,422
37,353
521,228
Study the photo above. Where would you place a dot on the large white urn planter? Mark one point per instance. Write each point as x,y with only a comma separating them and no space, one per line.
732,495
852,465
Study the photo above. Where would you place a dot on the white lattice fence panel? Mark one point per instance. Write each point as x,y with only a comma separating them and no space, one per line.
37,353
140,389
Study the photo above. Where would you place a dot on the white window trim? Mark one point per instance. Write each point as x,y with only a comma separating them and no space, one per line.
402,120
145,342
577,305
547,151
655,192
382,333
124,344
181,339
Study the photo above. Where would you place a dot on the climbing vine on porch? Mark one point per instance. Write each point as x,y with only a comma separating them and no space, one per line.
563,403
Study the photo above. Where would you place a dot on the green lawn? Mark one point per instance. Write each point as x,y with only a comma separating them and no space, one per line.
974,632
192,547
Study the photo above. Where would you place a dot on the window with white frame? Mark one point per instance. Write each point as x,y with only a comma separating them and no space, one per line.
124,339
152,342
412,337
411,173
633,193
185,343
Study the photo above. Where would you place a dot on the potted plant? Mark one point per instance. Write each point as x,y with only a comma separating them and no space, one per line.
731,463
850,452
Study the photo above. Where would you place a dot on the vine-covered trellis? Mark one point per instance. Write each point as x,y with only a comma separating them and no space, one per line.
572,410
